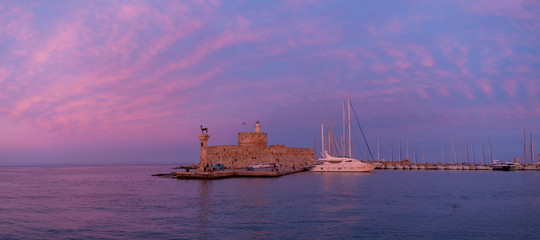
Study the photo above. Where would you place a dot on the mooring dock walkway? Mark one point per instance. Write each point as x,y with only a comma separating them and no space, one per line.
230,173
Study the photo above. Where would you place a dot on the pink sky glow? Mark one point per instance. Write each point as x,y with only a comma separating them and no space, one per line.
84,82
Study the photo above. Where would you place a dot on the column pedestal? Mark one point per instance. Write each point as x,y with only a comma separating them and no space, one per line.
204,154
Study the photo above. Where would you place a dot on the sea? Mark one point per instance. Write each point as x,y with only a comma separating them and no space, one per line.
126,202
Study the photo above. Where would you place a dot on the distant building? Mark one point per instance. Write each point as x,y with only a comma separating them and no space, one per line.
253,148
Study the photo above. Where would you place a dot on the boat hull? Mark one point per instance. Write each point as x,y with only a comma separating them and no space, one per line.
350,165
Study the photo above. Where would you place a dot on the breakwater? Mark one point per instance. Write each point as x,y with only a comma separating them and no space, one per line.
230,173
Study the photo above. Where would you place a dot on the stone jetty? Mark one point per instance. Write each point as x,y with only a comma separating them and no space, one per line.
230,173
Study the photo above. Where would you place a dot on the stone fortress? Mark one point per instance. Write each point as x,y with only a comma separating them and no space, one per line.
253,148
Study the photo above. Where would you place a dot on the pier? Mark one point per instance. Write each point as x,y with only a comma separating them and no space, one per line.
231,173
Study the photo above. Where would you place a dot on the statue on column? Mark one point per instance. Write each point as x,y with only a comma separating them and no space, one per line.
203,130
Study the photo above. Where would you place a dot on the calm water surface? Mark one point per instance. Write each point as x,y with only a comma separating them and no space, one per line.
125,202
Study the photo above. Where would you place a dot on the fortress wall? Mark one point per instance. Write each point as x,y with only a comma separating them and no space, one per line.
252,139
253,148
241,157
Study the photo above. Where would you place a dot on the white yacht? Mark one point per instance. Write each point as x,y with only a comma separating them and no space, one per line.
330,163
342,164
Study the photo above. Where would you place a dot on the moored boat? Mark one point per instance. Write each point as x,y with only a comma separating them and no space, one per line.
530,168
451,167
504,166
342,164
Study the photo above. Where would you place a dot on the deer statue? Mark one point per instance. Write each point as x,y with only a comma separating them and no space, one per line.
204,130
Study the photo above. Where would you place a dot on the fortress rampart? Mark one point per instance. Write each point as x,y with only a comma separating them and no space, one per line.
253,148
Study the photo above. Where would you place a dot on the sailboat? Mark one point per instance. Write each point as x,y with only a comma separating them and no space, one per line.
341,164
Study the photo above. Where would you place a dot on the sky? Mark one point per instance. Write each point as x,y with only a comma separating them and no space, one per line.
114,82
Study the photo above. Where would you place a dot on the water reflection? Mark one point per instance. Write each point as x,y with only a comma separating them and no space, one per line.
341,205
204,208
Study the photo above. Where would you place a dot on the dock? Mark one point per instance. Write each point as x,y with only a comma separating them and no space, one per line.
233,173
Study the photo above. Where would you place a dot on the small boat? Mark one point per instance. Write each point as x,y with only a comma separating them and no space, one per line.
433,167
440,167
414,167
421,167
504,166
530,168
480,167
389,166
451,167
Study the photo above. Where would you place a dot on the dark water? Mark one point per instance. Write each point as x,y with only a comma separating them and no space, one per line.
125,202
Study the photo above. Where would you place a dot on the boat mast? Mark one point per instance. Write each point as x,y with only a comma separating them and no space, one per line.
532,156
442,149
458,151
415,152
423,160
472,149
490,156
330,140
343,137
391,149
453,152
367,152
407,147
322,139
467,148
314,148
483,153
524,146
349,113
399,145
378,143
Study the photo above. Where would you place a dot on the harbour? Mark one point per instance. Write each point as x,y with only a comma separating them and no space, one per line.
240,161
124,201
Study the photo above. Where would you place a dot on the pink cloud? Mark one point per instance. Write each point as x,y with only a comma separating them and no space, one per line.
4,74
403,64
423,93
485,86
391,27
379,67
513,9
16,23
465,89
523,69
444,91
427,60
510,87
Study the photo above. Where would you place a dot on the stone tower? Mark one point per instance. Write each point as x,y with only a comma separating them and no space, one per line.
256,139
204,152
257,127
